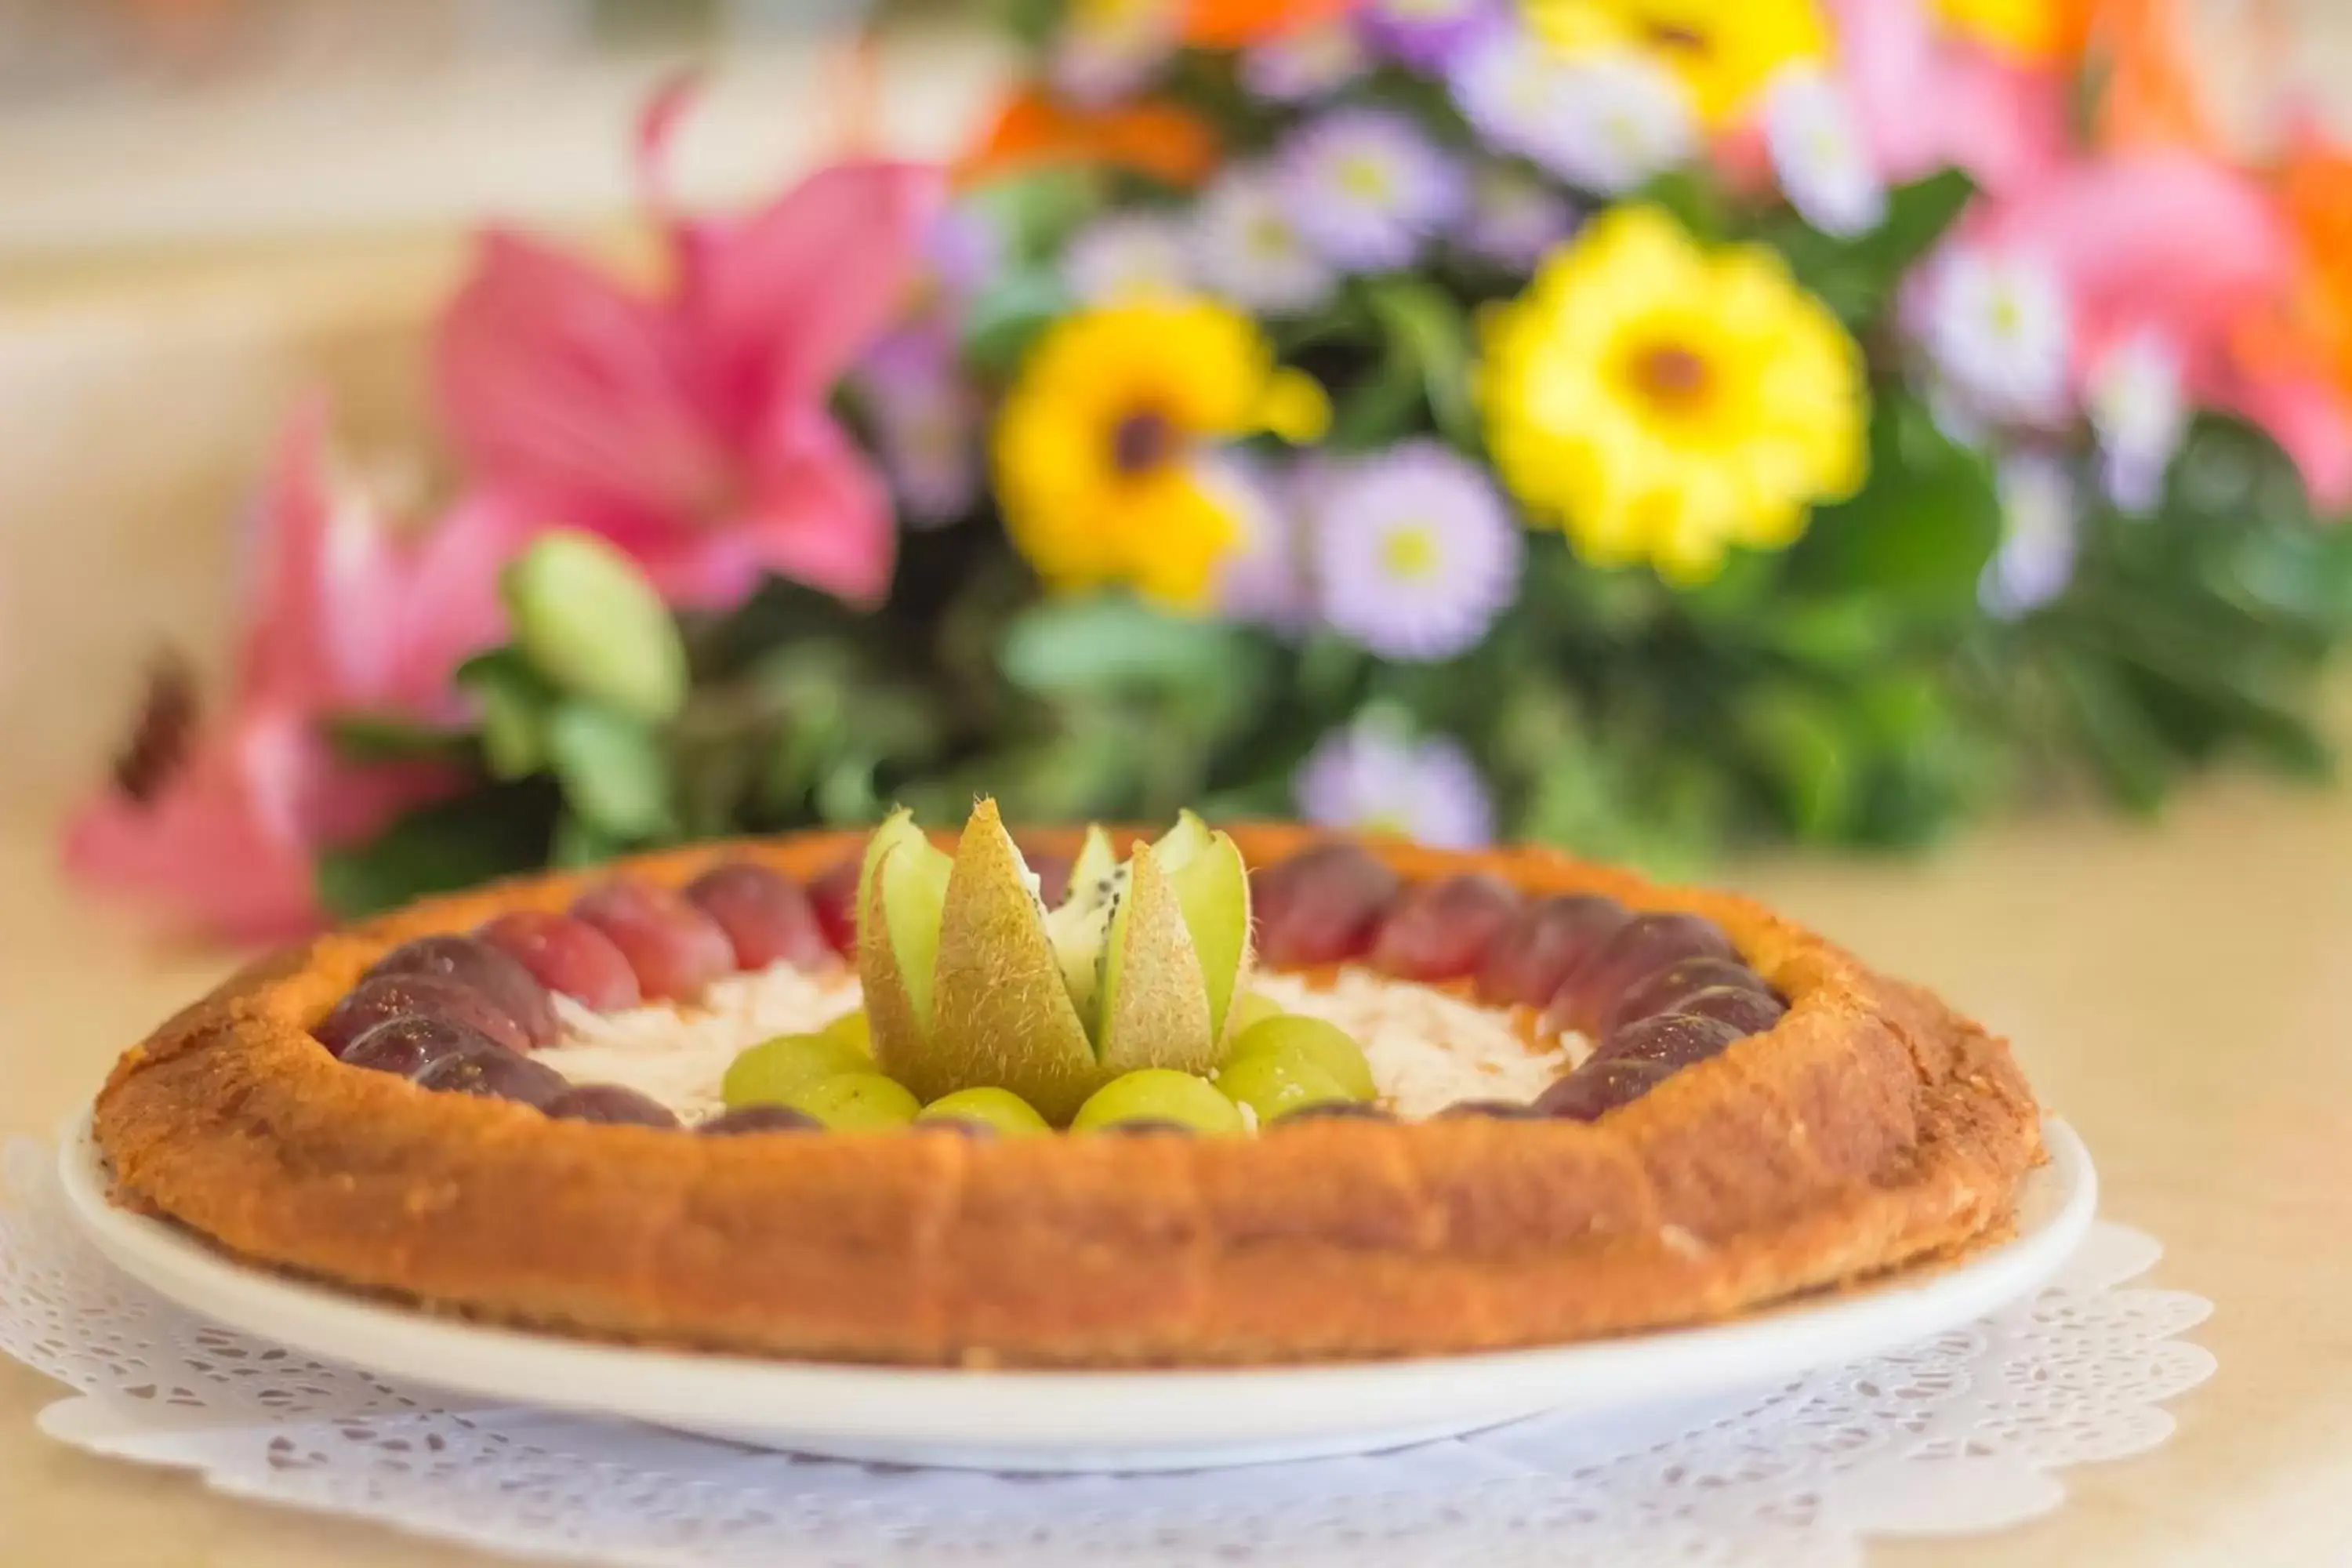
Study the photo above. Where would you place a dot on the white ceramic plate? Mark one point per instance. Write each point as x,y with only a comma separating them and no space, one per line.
1090,1421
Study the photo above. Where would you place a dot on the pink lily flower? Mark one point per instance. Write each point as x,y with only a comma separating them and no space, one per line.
1927,101
2175,247
690,425
220,823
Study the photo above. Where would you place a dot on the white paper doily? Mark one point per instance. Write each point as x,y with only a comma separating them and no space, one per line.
1959,1434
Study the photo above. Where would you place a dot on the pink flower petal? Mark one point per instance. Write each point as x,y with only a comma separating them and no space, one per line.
783,300
560,383
2310,419
2162,239
226,844
323,566
450,608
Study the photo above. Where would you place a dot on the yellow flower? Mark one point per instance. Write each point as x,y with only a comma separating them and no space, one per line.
1099,445
1661,403
1723,51
2035,32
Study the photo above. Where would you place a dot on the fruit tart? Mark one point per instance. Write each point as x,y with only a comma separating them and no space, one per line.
1076,1099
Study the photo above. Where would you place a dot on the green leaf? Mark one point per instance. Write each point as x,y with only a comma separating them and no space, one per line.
1009,315
514,700
1106,643
2116,731
614,774
1696,202
492,832
1428,329
578,844
1799,741
394,738
1916,216
1917,537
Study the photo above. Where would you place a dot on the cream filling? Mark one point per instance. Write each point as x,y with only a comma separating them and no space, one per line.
1427,1048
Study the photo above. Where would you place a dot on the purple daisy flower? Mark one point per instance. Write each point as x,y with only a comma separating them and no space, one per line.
1415,552
1371,777
1604,122
1306,63
1514,219
1127,254
1425,34
961,251
1366,187
1247,248
926,420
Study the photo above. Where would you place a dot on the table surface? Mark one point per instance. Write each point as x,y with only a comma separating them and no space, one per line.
2177,990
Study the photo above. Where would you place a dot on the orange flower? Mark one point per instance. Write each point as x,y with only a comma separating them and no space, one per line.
2313,328
2150,97
1234,24
1149,137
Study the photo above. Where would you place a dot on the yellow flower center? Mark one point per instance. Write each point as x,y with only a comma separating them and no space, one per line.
1365,178
1410,553
1142,441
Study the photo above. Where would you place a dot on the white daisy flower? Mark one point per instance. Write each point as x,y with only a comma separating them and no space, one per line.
2039,518
2139,410
1128,256
1605,122
1247,247
1998,327
1817,152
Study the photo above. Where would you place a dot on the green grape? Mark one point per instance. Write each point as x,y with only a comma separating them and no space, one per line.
852,1029
855,1102
1254,1008
1328,1046
1158,1094
769,1072
998,1108
1275,1081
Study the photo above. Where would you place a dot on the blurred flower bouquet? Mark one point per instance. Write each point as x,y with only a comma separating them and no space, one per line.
1636,425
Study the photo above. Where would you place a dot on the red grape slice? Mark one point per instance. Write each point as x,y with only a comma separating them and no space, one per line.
492,1072
1442,930
470,961
1670,1040
1664,991
1323,906
833,897
1492,1111
567,954
609,1103
1750,1011
766,916
1599,1086
1536,953
387,997
407,1046
676,949
1642,946
759,1119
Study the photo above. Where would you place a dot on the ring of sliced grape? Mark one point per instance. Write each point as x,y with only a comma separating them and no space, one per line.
1871,1127
1655,991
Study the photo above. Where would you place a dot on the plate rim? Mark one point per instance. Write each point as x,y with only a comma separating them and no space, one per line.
1015,1410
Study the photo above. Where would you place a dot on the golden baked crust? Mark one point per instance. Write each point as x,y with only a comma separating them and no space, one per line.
1870,1127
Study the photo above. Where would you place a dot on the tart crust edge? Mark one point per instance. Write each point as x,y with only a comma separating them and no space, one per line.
1871,1128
